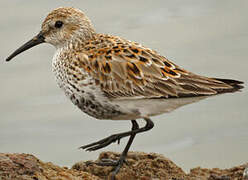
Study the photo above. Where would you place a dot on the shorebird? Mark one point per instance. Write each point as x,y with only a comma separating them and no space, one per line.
109,77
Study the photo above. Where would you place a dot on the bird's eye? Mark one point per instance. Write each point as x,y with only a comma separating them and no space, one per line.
58,24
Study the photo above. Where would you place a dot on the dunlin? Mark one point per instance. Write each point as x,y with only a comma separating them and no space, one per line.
109,77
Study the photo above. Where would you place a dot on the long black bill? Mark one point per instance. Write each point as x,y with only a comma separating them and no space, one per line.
33,42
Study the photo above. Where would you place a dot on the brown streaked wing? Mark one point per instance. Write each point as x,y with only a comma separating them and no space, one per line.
126,70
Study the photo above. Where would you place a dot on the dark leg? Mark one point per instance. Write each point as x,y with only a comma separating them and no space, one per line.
118,164
110,162
116,137
124,153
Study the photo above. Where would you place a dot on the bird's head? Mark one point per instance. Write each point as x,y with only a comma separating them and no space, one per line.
62,27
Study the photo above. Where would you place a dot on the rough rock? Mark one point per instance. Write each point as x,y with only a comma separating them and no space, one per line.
139,166
28,167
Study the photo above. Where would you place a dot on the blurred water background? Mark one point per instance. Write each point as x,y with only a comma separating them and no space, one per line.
206,37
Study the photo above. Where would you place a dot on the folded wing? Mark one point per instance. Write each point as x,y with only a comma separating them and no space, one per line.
128,70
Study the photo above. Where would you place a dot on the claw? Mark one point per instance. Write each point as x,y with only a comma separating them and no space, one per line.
107,162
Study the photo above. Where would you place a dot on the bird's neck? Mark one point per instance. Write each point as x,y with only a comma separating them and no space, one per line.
78,40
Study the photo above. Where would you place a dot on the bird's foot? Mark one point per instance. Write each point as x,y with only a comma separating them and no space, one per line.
113,138
110,162
105,162
103,142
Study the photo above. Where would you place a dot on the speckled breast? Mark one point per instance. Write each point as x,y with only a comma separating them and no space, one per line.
81,89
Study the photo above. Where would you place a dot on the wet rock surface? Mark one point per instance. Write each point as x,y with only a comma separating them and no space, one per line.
139,166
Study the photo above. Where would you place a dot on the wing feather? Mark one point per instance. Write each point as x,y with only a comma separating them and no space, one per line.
128,70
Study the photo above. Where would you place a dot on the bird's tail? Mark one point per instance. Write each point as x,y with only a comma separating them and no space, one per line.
236,85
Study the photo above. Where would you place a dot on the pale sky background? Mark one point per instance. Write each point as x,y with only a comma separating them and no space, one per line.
206,37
